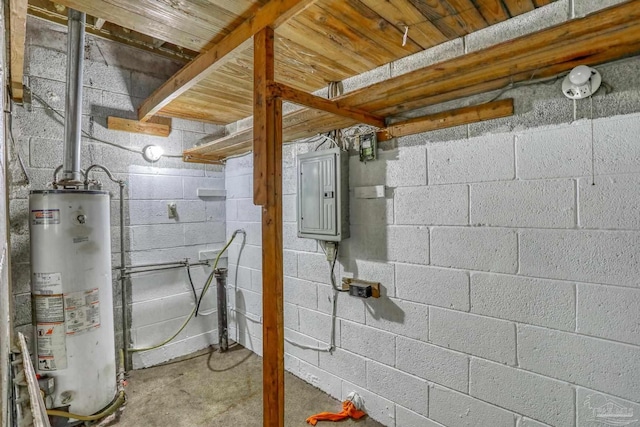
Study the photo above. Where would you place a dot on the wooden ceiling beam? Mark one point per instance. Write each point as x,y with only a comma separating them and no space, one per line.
312,101
273,13
18,27
447,119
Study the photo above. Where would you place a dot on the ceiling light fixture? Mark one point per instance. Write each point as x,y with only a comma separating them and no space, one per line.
582,82
152,153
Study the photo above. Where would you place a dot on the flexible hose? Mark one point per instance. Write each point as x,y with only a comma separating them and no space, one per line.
105,412
108,411
194,312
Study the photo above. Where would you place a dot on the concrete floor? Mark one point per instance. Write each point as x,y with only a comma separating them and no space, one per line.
212,389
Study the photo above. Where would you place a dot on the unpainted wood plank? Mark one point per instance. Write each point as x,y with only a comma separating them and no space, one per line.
317,38
518,7
446,119
368,24
267,163
140,23
272,13
443,16
469,13
540,3
18,27
401,14
45,9
306,99
493,11
158,126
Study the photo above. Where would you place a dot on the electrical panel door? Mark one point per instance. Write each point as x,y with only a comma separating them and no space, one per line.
322,195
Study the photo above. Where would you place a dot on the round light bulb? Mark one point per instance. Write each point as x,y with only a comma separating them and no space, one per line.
580,75
152,153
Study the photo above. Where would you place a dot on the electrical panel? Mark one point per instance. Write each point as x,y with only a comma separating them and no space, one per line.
323,195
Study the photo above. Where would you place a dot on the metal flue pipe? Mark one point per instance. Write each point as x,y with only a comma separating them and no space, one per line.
73,105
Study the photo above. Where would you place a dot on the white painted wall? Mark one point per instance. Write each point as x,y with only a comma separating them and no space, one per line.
510,281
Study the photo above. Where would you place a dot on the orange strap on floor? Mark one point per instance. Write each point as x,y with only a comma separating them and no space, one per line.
348,410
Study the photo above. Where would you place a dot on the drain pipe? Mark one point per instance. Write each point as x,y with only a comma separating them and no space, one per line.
73,105
223,330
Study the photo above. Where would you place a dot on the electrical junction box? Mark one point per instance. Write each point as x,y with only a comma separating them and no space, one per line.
323,195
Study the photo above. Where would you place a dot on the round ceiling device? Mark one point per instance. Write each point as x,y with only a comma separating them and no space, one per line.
152,153
582,82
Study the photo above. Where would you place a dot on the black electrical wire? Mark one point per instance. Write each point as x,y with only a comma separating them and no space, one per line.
193,287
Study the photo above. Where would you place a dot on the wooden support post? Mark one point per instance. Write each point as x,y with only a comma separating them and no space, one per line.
267,192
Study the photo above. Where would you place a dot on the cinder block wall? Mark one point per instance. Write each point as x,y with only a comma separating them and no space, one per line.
510,276
116,80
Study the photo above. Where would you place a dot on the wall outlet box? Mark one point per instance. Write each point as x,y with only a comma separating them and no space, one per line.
372,192
361,288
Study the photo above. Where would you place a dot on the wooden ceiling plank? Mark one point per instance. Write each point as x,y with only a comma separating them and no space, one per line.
302,98
330,43
540,3
273,13
140,23
449,118
493,11
314,62
18,27
45,9
370,25
518,7
401,13
469,13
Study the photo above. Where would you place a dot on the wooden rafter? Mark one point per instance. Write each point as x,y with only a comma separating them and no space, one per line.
273,13
267,164
18,27
302,98
449,118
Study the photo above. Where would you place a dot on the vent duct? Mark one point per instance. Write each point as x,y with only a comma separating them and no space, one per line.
73,105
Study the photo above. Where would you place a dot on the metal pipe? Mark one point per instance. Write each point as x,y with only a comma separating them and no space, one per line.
73,104
223,329
123,287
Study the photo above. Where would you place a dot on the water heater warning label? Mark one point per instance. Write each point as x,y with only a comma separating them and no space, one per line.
52,349
82,311
45,216
49,308
47,283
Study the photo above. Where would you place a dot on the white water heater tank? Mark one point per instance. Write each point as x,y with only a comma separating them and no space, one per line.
72,296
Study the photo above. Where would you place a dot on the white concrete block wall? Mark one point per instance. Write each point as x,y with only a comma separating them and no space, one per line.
159,302
510,282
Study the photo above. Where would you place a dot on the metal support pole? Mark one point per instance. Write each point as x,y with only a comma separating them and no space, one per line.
223,329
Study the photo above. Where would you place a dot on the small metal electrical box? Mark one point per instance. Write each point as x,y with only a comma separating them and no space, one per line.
323,195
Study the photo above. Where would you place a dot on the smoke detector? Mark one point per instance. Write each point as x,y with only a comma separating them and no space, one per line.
152,153
582,82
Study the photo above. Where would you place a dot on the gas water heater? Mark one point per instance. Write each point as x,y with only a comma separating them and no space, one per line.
72,296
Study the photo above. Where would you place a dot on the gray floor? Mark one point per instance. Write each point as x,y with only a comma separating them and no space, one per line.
212,389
